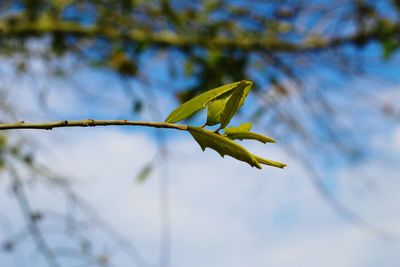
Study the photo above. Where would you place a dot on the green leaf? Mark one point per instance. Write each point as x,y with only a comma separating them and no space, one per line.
250,135
215,109
197,103
225,146
244,127
223,102
222,109
270,162
233,104
201,101
222,145
242,132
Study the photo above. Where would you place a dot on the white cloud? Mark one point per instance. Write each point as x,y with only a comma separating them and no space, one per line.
224,213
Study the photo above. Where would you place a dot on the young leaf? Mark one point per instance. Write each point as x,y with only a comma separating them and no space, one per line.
223,102
215,109
222,109
233,104
270,162
244,127
242,132
225,146
250,135
199,102
222,145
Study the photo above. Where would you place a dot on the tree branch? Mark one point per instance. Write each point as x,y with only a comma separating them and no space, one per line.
88,123
32,224
170,38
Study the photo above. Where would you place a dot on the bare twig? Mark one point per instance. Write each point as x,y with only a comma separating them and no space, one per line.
88,123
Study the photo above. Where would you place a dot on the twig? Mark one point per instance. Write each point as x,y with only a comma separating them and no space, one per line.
88,123
32,224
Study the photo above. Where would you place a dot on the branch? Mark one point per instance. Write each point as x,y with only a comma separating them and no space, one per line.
88,123
32,224
172,39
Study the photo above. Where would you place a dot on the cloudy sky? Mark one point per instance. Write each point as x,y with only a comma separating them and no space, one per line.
222,212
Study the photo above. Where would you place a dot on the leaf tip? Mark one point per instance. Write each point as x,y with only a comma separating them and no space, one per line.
270,162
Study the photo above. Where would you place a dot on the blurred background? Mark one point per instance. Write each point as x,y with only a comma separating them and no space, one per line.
326,86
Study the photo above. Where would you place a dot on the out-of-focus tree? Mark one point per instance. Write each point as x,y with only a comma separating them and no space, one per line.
295,51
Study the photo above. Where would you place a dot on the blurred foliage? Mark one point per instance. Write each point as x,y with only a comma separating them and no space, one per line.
219,39
3,142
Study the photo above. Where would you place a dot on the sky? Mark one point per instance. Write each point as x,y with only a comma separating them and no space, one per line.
222,212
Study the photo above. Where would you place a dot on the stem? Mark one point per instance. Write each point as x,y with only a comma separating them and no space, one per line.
87,123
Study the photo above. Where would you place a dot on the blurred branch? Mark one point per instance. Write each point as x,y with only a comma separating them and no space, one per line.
91,219
32,218
338,206
171,39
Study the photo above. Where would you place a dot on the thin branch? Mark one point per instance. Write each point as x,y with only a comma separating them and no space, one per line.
337,205
172,39
92,215
88,123
32,224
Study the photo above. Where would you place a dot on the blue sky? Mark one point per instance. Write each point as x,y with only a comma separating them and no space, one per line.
223,213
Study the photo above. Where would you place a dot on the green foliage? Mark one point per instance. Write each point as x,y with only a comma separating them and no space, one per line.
244,127
390,43
219,40
234,103
121,62
222,109
215,109
389,46
200,102
270,162
222,145
250,135
242,132
223,103
225,146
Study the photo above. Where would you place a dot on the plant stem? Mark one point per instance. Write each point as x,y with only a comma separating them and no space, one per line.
87,123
